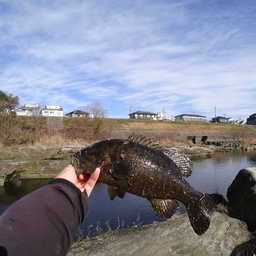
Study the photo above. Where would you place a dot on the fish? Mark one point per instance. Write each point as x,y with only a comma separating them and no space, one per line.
143,168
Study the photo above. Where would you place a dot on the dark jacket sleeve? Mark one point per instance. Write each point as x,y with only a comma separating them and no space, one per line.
45,221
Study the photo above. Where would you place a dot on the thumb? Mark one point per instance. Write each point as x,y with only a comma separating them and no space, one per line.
90,184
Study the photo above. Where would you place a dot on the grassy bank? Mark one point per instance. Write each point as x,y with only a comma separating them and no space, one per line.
35,131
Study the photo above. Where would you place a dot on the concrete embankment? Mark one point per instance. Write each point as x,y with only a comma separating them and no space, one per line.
34,162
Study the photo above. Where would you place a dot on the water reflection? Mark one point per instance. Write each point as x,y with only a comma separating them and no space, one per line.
252,159
214,175
12,191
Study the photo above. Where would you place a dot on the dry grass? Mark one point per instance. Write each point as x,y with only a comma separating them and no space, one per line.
79,135
54,137
98,229
172,126
250,141
55,140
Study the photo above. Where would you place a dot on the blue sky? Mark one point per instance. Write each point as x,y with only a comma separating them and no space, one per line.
180,56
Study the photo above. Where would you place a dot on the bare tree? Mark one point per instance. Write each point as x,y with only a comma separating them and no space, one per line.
96,110
98,113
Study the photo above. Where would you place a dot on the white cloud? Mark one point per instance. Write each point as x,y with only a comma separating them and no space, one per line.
186,56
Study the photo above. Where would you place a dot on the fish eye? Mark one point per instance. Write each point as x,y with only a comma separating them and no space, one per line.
122,155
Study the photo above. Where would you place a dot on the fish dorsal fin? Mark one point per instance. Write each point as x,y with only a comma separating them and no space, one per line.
144,141
183,163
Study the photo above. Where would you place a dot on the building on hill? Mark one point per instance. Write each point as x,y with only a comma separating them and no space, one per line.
52,110
190,118
28,110
79,113
143,115
251,120
219,119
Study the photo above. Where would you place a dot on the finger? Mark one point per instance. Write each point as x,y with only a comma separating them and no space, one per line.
92,181
83,177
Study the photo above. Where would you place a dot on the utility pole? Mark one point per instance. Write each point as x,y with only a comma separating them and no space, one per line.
215,114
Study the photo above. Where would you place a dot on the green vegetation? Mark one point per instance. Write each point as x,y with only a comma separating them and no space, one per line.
8,102
33,167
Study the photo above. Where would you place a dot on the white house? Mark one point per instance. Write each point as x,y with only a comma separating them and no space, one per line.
190,118
161,116
143,115
52,110
28,110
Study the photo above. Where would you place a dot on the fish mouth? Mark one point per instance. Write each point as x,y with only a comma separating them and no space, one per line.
86,171
90,170
73,160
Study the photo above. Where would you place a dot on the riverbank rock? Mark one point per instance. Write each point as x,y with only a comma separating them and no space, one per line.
196,151
171,237
241,196
34,162
38,152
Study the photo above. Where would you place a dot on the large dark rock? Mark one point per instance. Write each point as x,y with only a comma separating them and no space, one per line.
248,248
241,196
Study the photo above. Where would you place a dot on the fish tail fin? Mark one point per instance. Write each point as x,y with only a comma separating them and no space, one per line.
200,213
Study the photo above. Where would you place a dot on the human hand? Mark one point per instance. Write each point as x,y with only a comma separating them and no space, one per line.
83,181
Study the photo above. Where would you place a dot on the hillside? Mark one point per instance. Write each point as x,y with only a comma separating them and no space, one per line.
170,126
16,130
178,131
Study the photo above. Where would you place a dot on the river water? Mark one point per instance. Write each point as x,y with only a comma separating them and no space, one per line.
210,175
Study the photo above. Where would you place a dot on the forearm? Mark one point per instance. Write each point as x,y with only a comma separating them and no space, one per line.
45,221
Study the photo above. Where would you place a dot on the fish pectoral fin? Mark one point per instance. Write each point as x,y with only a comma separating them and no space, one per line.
115,191
164,208
112,192
121,193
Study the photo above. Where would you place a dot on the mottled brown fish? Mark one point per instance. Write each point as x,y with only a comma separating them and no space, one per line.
140,167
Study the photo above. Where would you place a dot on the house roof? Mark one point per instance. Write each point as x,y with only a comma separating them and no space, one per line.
32,108
190,115
78,112
52,107
223,117
253,115
143,113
